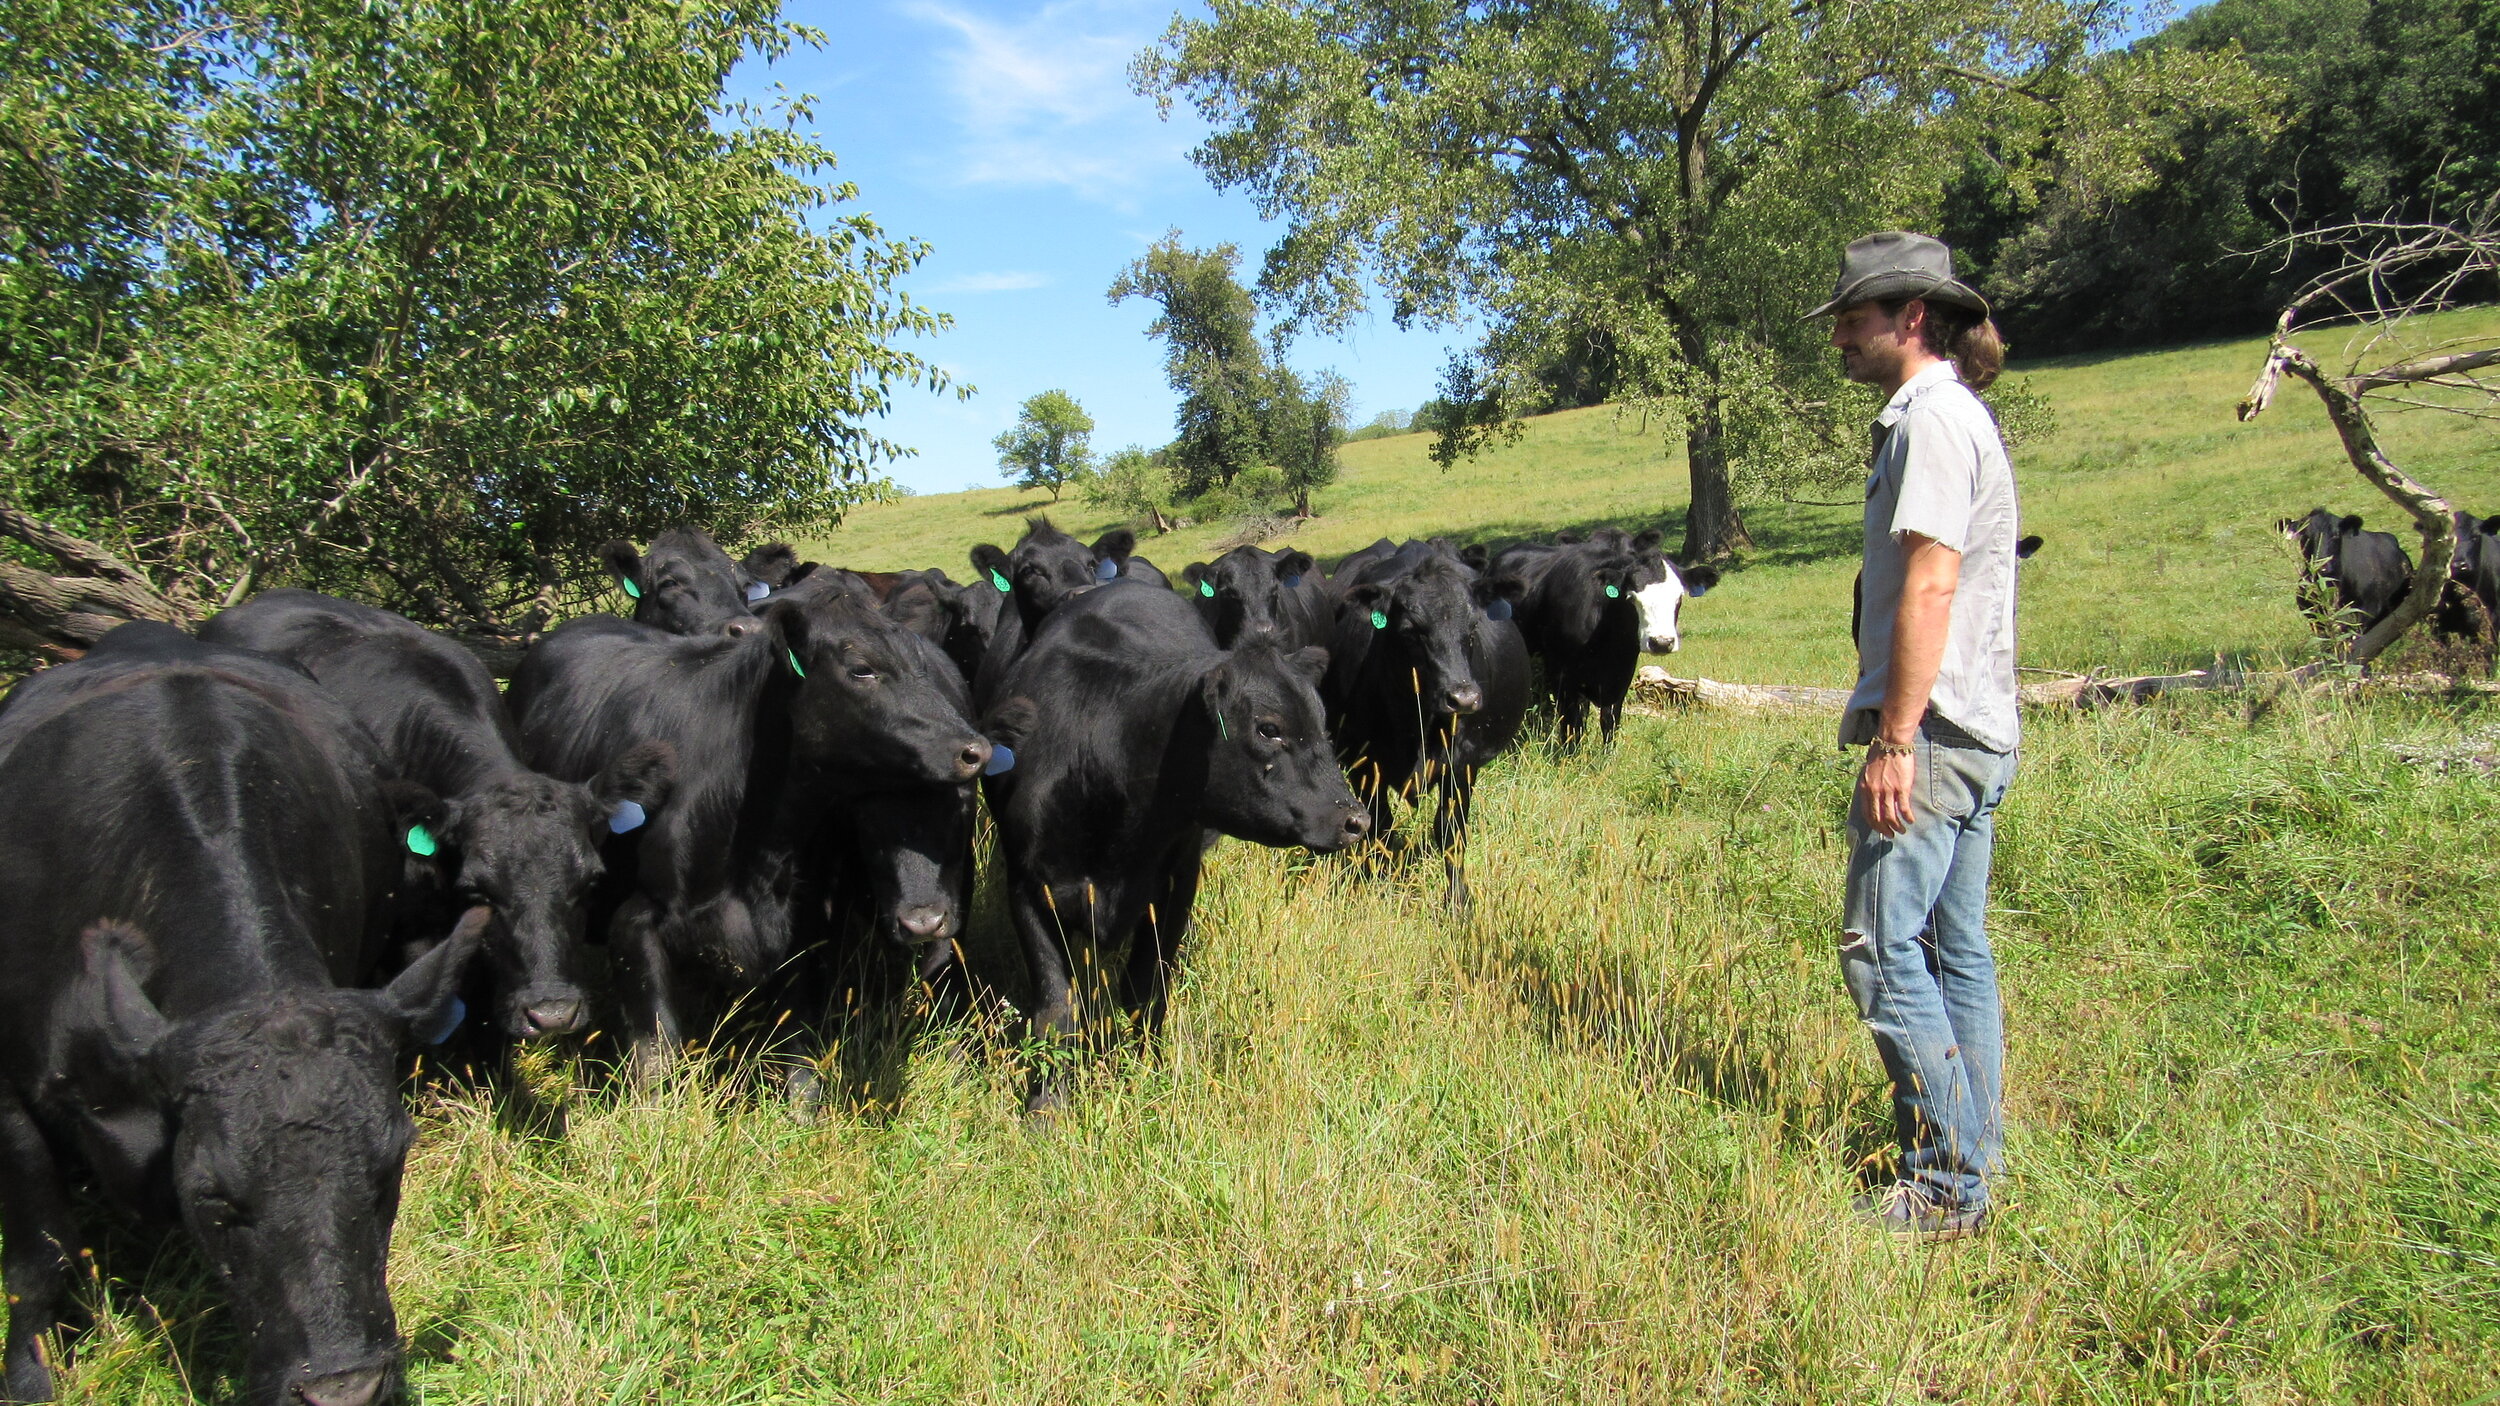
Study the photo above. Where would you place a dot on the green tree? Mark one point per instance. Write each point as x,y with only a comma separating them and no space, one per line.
422,301
1212,356
1681,173
1306,424
1133,482
1050,444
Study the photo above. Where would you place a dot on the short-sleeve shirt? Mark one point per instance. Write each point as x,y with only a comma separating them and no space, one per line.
1940,471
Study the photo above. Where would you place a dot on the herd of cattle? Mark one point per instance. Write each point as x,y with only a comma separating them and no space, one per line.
243,874
2359,577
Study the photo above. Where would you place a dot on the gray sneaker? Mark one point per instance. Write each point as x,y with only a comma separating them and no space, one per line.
1909,1211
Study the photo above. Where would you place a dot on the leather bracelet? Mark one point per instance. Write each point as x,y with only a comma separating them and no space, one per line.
1878,747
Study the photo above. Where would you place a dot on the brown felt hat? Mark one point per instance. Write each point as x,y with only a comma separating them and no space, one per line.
1898,264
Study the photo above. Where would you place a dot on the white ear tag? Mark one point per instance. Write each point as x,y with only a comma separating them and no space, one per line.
1002,760
1106,569
757,590
628,815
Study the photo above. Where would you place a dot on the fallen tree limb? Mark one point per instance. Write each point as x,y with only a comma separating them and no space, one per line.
1659,690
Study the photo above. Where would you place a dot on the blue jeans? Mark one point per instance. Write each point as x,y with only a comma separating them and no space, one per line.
1914,950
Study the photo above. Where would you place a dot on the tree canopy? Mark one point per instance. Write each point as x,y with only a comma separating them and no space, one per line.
421,301
1677,175
1050,444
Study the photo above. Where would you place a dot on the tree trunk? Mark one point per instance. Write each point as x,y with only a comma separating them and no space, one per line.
1713,530
62,615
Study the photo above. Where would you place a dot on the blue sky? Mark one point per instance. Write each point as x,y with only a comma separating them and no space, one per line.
1004,134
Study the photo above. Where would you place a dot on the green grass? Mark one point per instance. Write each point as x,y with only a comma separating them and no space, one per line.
1596,1142
2158,507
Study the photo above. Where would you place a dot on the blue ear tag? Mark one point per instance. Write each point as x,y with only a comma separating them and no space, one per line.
453,1015
631,589
1613,592
1291,583
794,663
999,579
1107,569
421,842
628,815
1002,760
757,590
1380,620
1697,592
1498,610
1207,589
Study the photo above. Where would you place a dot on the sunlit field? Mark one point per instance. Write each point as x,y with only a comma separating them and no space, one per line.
1596,1141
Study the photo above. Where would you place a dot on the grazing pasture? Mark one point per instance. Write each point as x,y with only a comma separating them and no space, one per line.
1595,1140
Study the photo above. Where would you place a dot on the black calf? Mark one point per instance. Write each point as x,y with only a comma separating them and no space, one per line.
2347,573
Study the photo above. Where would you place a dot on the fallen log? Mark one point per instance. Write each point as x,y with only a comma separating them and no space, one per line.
1657,690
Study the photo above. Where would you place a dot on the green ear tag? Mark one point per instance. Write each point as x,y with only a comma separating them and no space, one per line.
999,580
632,591
1222,731
1380,620
794,663
1207,589
1613,592
421,841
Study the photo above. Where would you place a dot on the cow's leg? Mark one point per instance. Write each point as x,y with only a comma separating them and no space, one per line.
1571,708
1160,933
1053,1027
1373,788
654,1030
37,1223
1609,719
1453,798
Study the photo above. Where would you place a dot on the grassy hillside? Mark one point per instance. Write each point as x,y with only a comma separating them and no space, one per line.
1596,1142
2158,507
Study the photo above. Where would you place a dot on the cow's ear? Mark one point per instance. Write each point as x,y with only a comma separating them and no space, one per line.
2024,548
1311,662
624,563
1194,573
1647,540
1211,687
989,565
1570,539
107,1010
645,774
1367,595
1294,564
1698,579
2351,523
1476,555
773,564
1010,721
425,998
1115,544
787,619
1505,586
2492,525
420,820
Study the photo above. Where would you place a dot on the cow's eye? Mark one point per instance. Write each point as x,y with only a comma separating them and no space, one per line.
1271,732
864,673
221,1212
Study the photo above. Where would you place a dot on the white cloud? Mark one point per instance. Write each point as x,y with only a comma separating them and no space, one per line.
1045,100
1000,281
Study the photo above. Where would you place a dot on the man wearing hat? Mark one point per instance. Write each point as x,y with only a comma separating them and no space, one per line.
1934,708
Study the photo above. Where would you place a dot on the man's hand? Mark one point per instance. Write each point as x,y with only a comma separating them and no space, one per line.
1884,791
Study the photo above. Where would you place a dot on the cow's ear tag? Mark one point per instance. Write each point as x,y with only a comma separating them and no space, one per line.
794,663
1291,583
454,1015
1499,609
757,590
1613,592
421,842
632,591
999,579
1107,569
1207,589
1380,620
628,815
1002,760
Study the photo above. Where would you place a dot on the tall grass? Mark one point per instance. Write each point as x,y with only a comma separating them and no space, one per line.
1596,1142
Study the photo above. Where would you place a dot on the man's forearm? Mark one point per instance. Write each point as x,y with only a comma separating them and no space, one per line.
1919,626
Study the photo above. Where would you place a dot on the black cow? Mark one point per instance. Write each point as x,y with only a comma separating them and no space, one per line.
1592,608
2469,602
1134,735
523,843
757,718
1047,568
2346,572
195,858
1250,590
1424,686
685,584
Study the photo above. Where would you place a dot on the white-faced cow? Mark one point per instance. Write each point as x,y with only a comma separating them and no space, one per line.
196,864
1592,607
